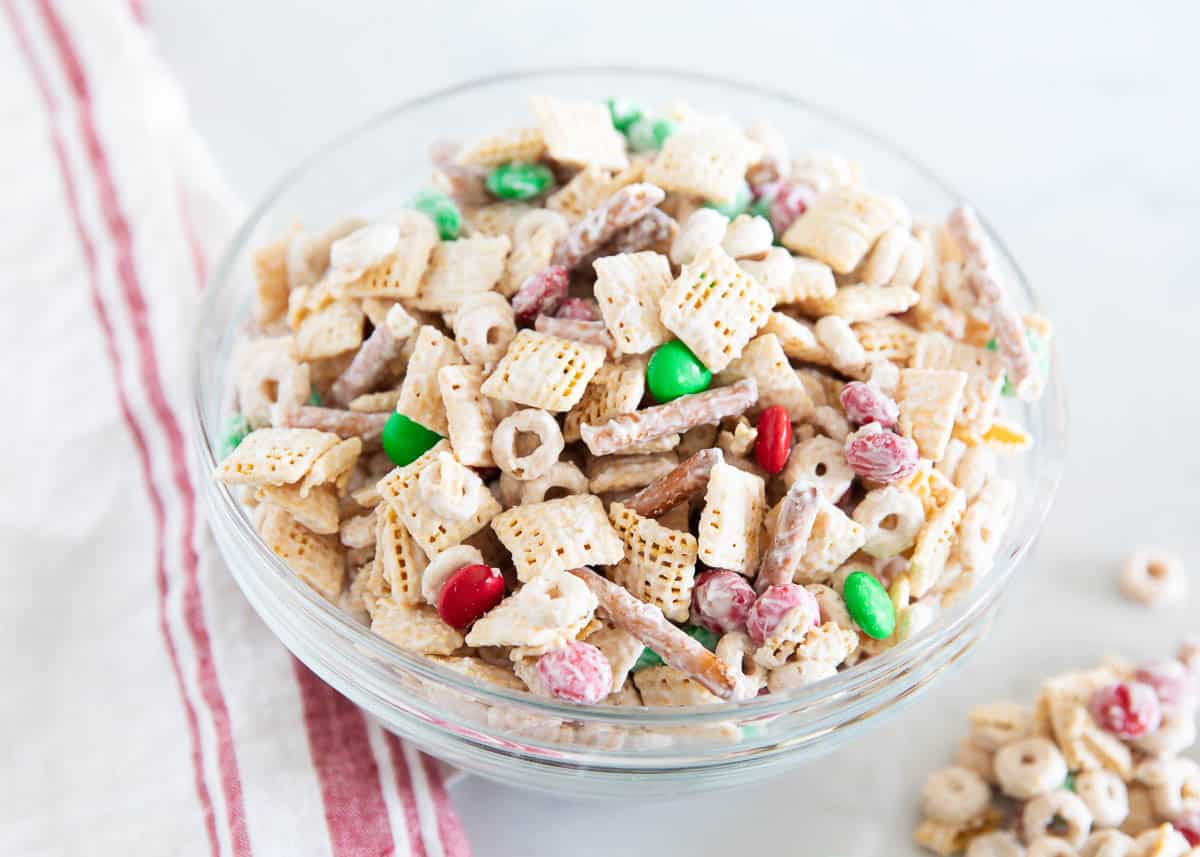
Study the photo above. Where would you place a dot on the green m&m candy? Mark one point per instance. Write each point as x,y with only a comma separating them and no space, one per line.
314,396
624,112
650,658
674,371
519,181
236,430
441,210
736,206
870,605
649,133
405,441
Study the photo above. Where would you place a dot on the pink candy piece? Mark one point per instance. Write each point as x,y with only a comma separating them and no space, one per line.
540,294
1172,682
788,201
865,404
1128,709
578,308
721,600
774,604
578,673
879,455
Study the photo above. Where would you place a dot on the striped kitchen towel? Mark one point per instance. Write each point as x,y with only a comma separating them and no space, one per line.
146,709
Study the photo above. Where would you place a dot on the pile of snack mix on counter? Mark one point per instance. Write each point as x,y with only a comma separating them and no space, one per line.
1092,769
635,408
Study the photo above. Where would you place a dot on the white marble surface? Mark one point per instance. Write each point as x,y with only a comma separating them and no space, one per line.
1072,125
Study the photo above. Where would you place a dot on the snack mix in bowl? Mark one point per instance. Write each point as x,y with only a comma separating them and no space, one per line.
635,408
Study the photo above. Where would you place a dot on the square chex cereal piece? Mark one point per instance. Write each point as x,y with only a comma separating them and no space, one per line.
558,535
316,559
797,338
420,395
402,561
985,376
515,144
333,330
400,275
732,518
432,532
842,225
579,134
468,414
764,360
629,289
659,565
929,401
543,371
887,339
546,613
460,269
275,456
616,388
318,511
414,628
587,189
708,162
934,542
715,308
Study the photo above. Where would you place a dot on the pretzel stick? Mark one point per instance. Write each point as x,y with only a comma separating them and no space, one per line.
371,361
623,208
668,491
984,281
345,424
797,512
656,228
465,184
591,332
626,431
647,623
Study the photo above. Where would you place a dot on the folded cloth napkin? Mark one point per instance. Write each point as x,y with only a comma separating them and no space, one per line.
146,710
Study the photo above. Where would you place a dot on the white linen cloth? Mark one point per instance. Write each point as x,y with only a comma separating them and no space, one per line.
146,709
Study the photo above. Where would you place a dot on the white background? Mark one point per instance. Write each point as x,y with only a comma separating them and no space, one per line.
1072,126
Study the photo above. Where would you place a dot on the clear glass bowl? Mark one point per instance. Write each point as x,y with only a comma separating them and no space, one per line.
512,736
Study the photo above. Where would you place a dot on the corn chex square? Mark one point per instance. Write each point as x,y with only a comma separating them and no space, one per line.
515,144
460,269
318,511
432,532
887,339
579,134
336,329
929,401
985,376
934,542
810,281
401,561
629,289
668,686
715,308
316,559
616,388
557,535
420,394
546,613
707,162
399,275
732,519
587,189
544,371
842,225
496,219
469,416
764,360
275,456
659,565
414,628
333,466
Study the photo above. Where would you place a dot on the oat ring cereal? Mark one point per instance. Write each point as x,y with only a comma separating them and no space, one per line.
643,408
536,462
1154,577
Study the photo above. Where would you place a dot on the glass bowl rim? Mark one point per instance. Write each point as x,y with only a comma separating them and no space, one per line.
854,681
